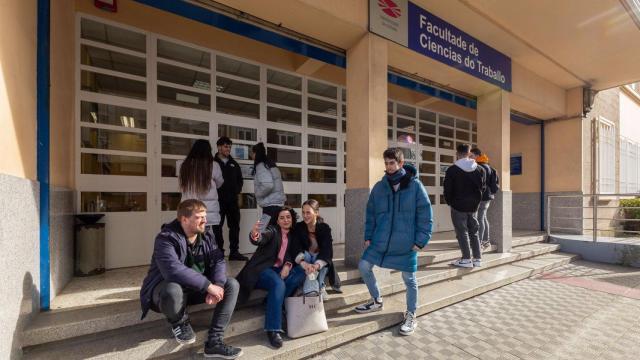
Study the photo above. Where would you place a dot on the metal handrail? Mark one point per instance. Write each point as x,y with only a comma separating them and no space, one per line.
594,200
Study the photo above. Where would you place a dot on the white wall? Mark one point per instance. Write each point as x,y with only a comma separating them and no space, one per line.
629,117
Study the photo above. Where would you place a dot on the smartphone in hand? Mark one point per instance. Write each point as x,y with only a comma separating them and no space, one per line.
264,222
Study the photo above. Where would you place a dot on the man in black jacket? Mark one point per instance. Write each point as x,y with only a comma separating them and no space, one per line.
489,193
228,197
464,184
188,268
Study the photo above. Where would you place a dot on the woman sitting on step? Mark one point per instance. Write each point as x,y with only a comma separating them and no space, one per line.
272,268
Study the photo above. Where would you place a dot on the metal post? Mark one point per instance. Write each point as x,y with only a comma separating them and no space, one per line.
595,217
549,218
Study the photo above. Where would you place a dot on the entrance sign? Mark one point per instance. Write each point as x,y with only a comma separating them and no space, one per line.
413,27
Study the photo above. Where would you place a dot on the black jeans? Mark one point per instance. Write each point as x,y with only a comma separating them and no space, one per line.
217,235
172,299
466,226
272,211
232,214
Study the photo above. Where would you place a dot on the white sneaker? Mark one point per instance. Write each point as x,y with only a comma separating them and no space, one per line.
371,306
463,263
477,262
409,325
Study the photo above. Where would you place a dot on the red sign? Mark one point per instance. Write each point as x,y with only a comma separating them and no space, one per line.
108,5
390,8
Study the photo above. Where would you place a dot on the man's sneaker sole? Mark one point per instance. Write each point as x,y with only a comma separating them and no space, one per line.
464,266
185,342
406,333
220,356
360,311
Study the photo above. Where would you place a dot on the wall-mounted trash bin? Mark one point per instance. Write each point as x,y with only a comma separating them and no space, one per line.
89,245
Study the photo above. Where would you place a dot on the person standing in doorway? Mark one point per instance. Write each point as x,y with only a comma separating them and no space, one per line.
200,177
464,185
489,194
228,196
398,224
267,182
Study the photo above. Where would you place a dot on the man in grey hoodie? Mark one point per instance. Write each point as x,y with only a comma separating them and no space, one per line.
464,184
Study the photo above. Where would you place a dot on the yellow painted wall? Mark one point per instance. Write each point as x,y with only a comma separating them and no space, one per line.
525,140
563,155
62,94
18,88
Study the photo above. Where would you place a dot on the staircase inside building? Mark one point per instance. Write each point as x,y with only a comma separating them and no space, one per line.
113,329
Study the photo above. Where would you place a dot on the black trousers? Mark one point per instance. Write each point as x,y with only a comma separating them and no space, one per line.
272,211
232,214
171,299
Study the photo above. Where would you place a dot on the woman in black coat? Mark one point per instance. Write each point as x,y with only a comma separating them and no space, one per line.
313,249
272,268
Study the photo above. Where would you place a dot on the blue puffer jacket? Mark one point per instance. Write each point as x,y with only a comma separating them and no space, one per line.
396,221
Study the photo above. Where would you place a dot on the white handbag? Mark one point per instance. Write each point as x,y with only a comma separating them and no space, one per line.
305,316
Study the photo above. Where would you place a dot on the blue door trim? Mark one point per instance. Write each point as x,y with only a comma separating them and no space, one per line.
42,114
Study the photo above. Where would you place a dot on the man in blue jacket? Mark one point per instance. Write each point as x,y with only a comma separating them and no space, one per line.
397,226
188,268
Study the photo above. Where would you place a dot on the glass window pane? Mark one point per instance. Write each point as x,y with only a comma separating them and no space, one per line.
446,132
321,159
185,126
170,201
112,35
293,200
428,155
284,98
406,124
320,122
282,79
446,120
247,201
322,142
428,180
292,174
172,145
169,168
389,106
91,112
390,120
406,110
321,106
322,176
389,134
474,138
474,127
238,68
240,151
236,107
284,116
443,169
238,88
344,94
112,60
283,137
406,138
442,184
182,76
445,144
344,110
237,132
427,141
112,85
432,199
285,155
314,87
190,99
446,159
113,201
112,140
428,116
427,169
462,135
442,200
427,128
462,124
185,54
101,164
325,200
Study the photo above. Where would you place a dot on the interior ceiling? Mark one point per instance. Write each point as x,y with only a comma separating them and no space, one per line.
569,43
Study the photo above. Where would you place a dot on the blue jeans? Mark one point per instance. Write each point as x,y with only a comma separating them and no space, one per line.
409,278
310,259
278,290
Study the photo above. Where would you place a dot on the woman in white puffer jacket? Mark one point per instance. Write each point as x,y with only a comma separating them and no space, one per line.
199,177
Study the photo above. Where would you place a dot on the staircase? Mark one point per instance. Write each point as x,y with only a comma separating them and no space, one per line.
114,331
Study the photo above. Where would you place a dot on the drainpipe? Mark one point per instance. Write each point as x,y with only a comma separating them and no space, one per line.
542,176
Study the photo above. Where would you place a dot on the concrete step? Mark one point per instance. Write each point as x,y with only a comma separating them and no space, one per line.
84,324
154,341
65,324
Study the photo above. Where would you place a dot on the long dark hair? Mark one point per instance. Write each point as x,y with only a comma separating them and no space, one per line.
315,205
196,170
261,157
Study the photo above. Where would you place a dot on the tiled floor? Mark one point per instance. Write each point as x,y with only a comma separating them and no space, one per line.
538,318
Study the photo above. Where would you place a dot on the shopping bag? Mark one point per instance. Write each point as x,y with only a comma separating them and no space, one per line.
305,316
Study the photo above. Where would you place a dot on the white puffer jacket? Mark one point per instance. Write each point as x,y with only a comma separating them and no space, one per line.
210,200
268,186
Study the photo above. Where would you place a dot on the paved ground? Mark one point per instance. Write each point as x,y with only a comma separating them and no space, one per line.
581,311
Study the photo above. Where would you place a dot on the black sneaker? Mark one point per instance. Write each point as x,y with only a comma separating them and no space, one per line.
183,333
220,350
236,256
274,339
371,306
